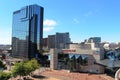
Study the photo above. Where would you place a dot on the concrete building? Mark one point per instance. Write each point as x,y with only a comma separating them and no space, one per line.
83,45
58,41
71,60
45,43
119,44
85,57
5,47
78,57
95,39
51,41
27,32
62,39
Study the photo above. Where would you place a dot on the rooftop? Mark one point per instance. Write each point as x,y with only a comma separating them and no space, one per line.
109,63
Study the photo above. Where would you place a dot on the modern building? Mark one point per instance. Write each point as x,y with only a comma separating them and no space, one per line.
59,40
62,39
95,39
81,57
51,41
45,43
86,45
27,32
76,60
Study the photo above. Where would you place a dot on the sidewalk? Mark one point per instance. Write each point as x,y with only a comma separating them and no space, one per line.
48,74
64,75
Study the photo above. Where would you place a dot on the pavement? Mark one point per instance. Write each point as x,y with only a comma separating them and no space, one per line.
48,74
65,75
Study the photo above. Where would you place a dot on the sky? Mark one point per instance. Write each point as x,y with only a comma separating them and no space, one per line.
81,18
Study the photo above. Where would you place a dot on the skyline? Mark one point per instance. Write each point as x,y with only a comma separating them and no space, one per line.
82,19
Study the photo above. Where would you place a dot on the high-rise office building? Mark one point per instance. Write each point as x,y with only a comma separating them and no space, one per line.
51,41
45,42
59,40
62,39
27,31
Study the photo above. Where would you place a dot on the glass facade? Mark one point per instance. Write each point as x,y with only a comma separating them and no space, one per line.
27,32
72,61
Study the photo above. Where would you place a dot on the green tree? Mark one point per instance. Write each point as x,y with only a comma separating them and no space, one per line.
18,69
4,76
25,68
31,66
34,64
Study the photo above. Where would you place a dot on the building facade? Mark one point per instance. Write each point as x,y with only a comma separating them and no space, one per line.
27,31
45,42
81,57
62,39
76,60
95,39
59,40
51,41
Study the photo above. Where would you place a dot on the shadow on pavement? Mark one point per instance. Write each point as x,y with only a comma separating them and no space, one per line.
39,76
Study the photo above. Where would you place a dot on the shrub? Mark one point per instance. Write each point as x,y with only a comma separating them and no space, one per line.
4,76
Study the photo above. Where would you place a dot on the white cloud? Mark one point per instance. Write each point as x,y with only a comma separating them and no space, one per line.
46,29
76,20
48,22
49,25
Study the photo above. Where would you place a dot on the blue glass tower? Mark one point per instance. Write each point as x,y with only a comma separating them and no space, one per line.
27,32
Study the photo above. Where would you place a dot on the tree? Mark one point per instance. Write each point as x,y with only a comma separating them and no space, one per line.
25,68
31,66
4,76
34,64
18,69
